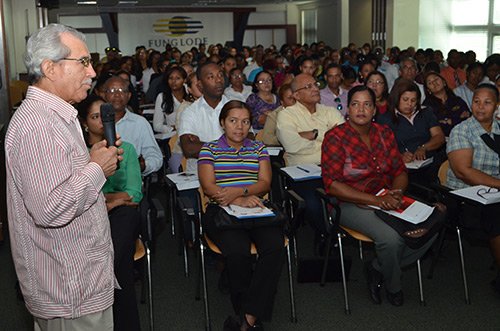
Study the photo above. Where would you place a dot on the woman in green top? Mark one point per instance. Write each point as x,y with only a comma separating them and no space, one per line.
123,192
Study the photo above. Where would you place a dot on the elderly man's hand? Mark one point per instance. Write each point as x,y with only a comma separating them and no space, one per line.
106,157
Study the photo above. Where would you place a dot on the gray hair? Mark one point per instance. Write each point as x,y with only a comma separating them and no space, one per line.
45,44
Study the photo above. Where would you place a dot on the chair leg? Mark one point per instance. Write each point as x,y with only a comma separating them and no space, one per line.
205,290
326,260
347,310
295,252
290,285
185,255
360,250
150,287
462,264
420,283
440,243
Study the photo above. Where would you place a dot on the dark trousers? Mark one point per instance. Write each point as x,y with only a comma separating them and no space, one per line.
251,292
124,221
313,211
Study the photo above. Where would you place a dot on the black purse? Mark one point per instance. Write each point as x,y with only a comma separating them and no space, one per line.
224,221
415,235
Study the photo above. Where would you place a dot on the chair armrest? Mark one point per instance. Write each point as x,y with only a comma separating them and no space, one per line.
296,211
331,217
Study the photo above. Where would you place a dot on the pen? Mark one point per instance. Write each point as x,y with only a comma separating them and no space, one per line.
231,209
305,170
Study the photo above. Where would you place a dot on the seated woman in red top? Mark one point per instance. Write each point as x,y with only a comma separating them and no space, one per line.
377,82
358,159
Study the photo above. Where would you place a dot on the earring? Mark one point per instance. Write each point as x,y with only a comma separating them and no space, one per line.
86,129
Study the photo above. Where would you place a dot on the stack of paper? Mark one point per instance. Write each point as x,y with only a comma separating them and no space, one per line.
480,193
184,181
417,164
303,172
411,210
243,212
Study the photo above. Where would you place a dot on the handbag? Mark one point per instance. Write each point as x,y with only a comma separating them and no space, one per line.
224,221
415,235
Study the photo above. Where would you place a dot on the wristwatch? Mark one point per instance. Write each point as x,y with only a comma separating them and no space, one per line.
315,131
423,147
245,191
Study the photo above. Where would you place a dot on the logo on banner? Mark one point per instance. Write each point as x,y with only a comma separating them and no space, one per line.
177,26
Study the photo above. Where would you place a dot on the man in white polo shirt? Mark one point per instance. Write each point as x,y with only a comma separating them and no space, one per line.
199,123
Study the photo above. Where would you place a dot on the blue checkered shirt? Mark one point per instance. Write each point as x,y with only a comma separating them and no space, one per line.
467,135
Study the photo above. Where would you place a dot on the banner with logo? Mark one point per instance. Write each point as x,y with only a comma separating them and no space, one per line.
181,30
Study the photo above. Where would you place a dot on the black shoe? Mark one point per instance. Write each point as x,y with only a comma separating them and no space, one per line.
374,279
396,299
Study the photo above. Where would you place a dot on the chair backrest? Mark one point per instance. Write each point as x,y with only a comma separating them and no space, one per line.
443,172
17,90
259,135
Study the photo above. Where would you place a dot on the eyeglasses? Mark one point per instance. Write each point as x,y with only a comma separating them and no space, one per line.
117,90
309,86
111,49
339,103
239,76
483,191
86,60
265,81
375,82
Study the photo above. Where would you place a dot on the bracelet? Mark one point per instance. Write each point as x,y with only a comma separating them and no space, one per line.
423,147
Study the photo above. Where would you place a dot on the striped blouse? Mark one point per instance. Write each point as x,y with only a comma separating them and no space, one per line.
233,167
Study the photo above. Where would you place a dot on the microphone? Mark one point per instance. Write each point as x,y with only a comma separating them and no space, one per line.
108,122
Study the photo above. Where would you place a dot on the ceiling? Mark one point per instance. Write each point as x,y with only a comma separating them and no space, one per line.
172,3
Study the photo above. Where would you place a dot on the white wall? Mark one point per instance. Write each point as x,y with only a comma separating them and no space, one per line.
406,23
434,25
18,25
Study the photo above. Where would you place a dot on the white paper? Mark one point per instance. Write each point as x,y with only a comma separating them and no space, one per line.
472,194
243,212
303,171
417,164
184,181
416,212
274,150
163,136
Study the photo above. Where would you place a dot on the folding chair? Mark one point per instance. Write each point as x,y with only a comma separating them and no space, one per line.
332,220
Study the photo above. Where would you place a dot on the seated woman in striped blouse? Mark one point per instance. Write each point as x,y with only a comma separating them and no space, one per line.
235,170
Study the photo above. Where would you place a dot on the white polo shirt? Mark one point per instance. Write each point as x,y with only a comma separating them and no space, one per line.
201,120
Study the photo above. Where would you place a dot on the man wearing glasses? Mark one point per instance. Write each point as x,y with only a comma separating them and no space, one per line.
59,227
333,95
301,127
133,128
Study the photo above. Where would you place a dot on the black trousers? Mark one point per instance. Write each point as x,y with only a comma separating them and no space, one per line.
125,221
252,292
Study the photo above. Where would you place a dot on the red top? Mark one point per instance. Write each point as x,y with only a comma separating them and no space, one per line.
347,159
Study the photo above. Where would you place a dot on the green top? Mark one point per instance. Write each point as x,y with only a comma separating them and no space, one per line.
128,177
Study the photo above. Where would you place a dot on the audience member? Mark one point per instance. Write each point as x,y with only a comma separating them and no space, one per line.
453,74
199,123
263,100
133,128
123,192
473,161
408,71
153,59
474,75
376,82
242,182
417,130
269,131
236,89
448,108
359,158
333,95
